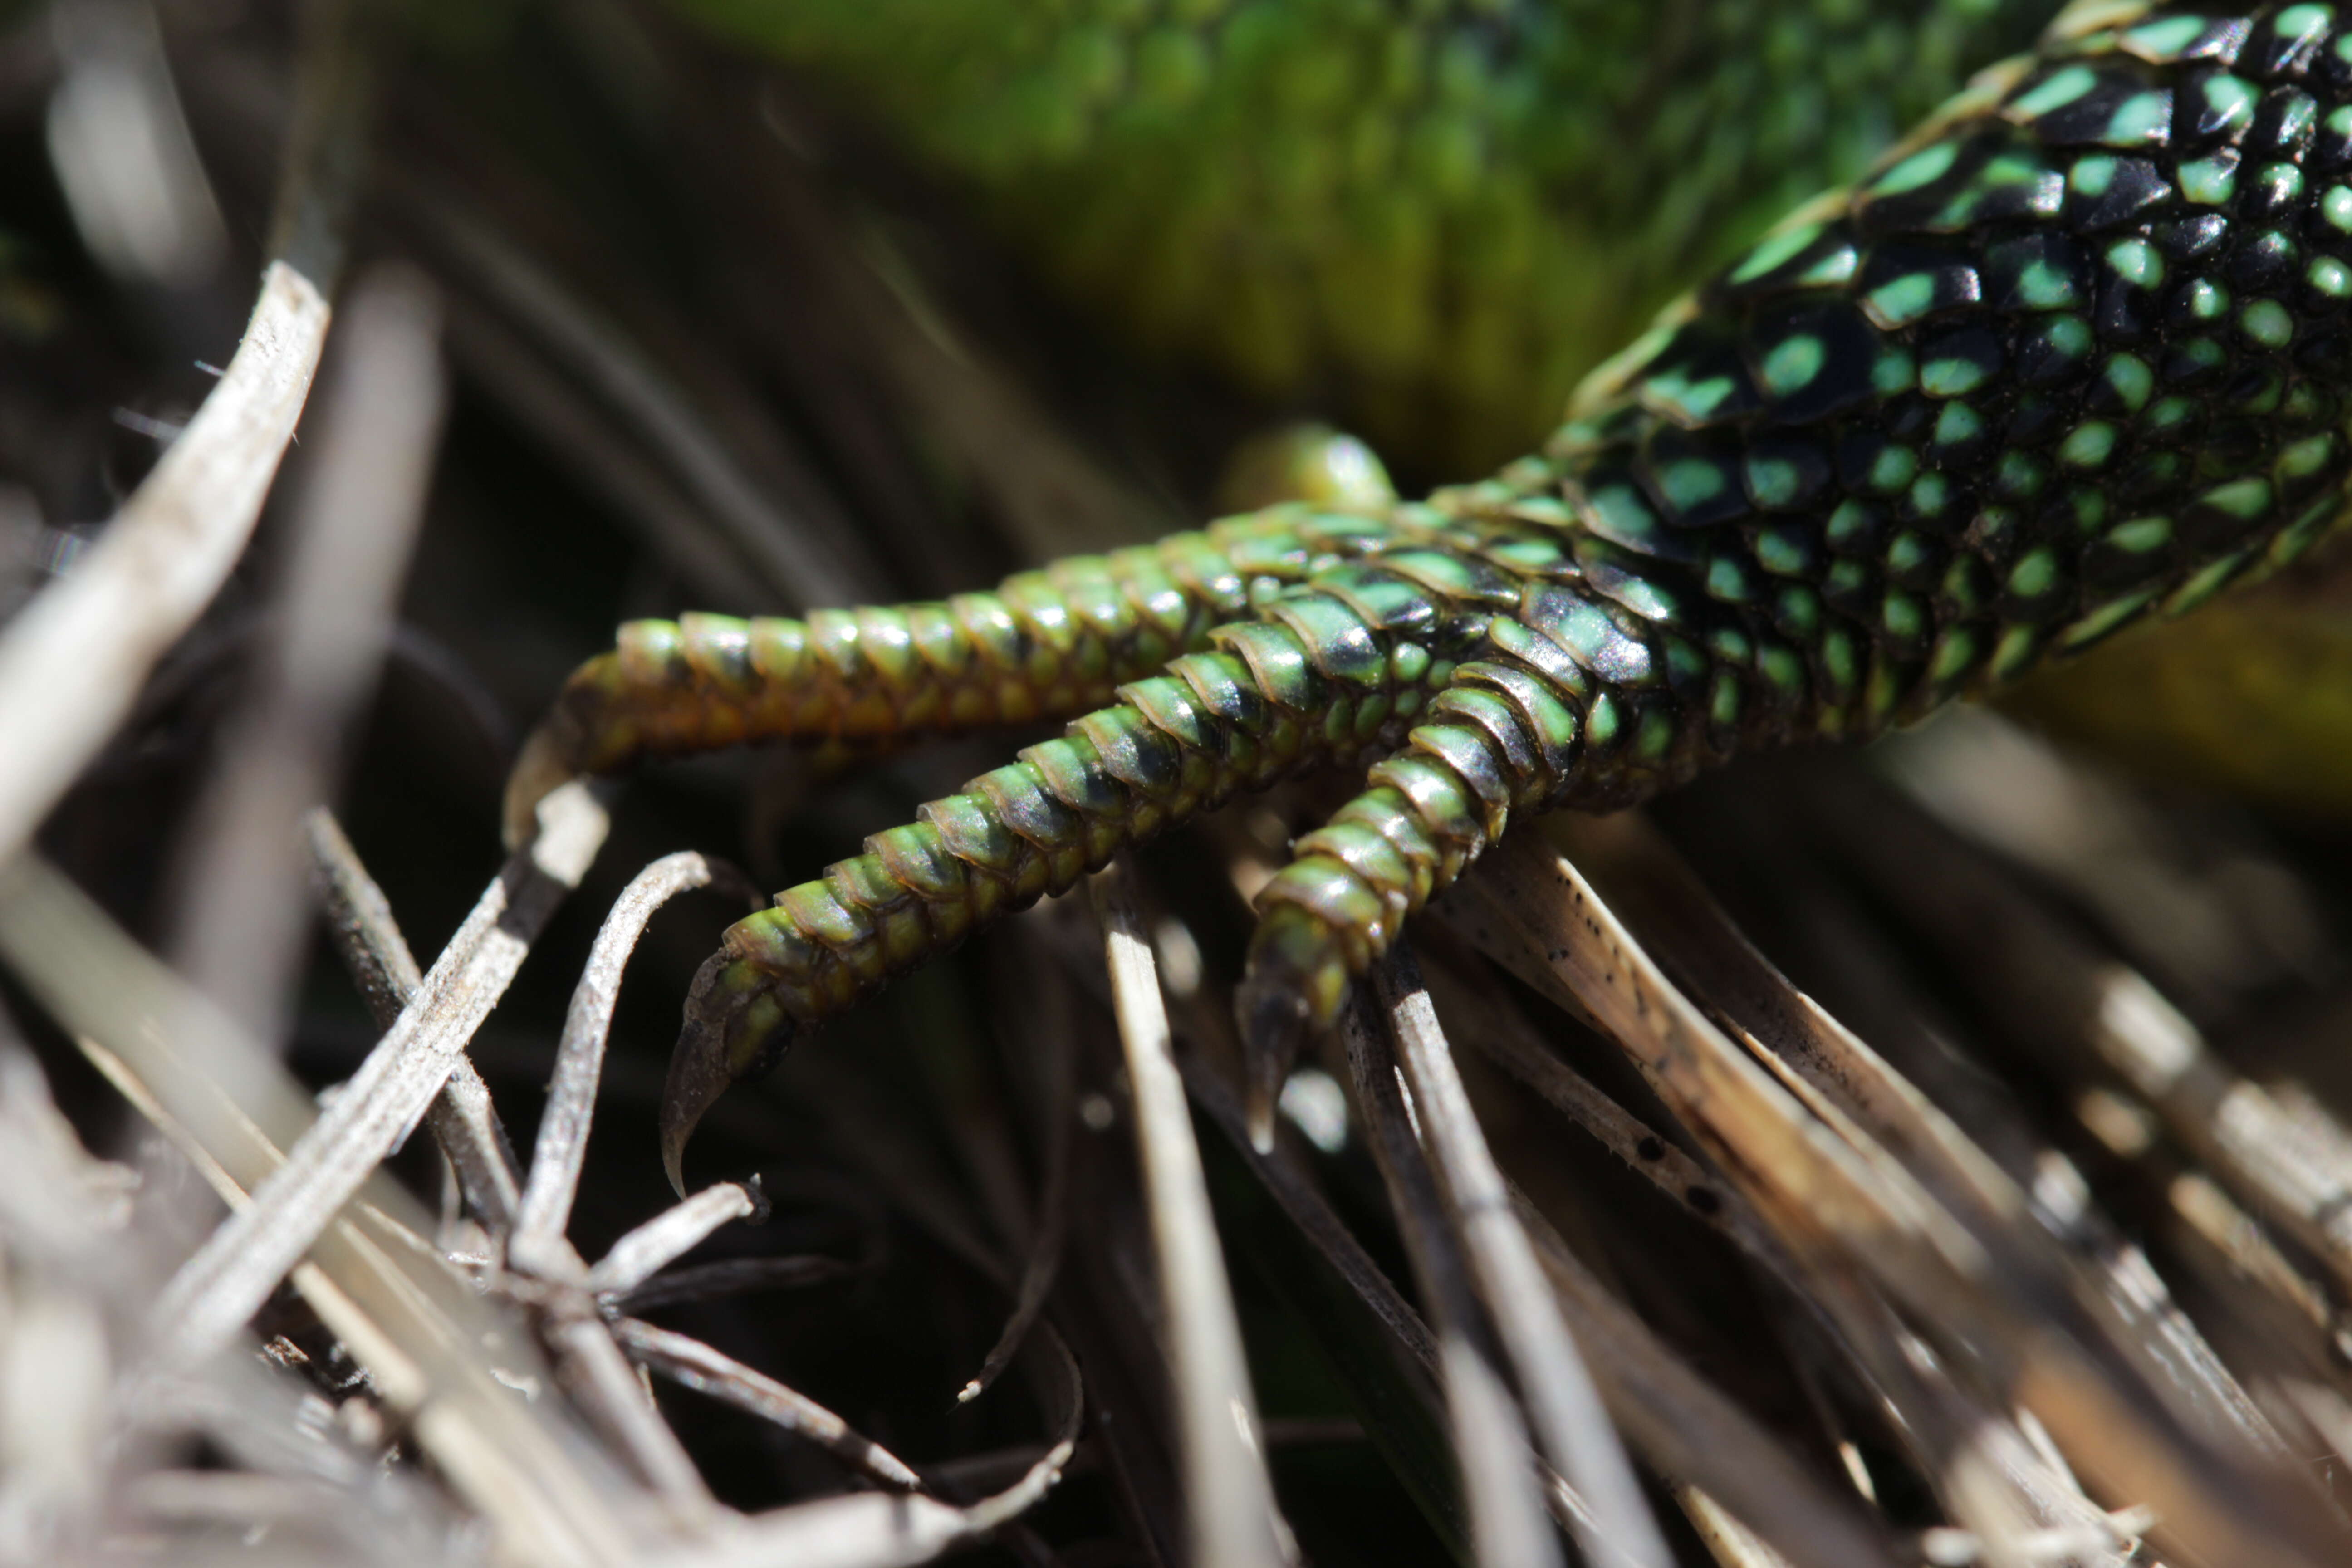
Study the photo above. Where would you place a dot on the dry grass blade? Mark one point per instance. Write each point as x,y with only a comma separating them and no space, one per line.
1562,1404
1505,1035
895,1530
669,1236
597,1374
1826,1193
1382,1351
1841,1077
67,1243
72,663
1304,1203
219,1289
462,1119
239,937
1689,1431
1692,1433
434,1348
1230,1498
2061,995
1495,1457
587,1359
367,935
563,1145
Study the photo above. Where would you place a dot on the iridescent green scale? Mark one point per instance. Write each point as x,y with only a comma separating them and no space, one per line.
2076,353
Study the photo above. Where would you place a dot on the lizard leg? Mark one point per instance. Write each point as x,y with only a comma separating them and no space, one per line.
1047,644
1308,684
1501,736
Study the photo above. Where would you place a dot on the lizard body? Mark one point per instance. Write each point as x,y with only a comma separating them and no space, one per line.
2076,353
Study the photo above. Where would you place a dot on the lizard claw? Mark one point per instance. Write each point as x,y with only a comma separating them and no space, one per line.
1273,1026
734,1030
1296,982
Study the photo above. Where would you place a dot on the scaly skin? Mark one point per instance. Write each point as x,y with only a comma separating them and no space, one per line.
2076,354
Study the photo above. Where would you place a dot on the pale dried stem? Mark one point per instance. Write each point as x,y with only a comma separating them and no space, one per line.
437,1351
595,1372
72,663
892,1530
1229,1504
1562,1404
1492,1450
1819,1189
1731,1543
562,1149
462,1119
693,1365
220,1287
669,1236
591,1365
239,932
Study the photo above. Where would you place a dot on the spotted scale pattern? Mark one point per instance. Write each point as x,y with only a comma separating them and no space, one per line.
2076,353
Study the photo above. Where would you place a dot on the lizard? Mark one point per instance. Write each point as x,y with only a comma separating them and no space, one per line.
2071,355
